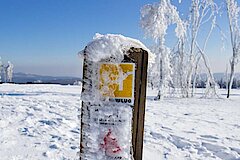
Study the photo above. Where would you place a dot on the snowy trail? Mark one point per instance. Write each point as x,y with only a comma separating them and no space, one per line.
192,129
41,122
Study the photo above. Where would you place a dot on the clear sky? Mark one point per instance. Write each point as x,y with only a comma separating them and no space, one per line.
44,36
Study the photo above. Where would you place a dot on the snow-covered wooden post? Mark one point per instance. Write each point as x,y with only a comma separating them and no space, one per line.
140,58
113,94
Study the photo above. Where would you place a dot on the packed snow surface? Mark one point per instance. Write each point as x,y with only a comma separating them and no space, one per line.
193,128
42,122
39,122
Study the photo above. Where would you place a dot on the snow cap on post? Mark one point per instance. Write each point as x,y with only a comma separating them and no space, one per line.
112,45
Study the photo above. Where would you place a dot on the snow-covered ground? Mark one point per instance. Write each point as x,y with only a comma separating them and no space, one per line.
40,122
192,129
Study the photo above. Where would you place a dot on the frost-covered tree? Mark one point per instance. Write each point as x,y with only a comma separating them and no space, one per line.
6,72
202,12
178,67
233,12
9,71
155,20
179,58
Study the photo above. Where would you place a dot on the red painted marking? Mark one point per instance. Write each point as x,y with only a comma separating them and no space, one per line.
110,143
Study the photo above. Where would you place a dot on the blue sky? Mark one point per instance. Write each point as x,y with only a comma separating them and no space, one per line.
44,36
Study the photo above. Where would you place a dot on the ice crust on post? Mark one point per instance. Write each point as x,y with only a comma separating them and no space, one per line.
106,125
108,133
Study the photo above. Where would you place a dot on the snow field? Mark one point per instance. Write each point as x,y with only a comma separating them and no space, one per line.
42,122
39,122
193,128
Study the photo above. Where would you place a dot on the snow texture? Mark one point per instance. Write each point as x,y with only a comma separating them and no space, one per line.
155,20
112,45
192,128
41,122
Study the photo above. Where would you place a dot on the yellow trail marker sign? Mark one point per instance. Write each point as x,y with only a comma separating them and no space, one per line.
116,81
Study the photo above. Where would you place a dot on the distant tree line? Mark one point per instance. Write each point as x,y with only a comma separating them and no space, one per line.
221,83
202,83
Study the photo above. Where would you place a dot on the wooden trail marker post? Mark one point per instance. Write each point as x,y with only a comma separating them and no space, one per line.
134,65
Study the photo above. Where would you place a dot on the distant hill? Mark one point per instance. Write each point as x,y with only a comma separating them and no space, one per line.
33,78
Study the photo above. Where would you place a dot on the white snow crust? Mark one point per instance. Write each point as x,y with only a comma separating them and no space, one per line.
112,45
42,122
